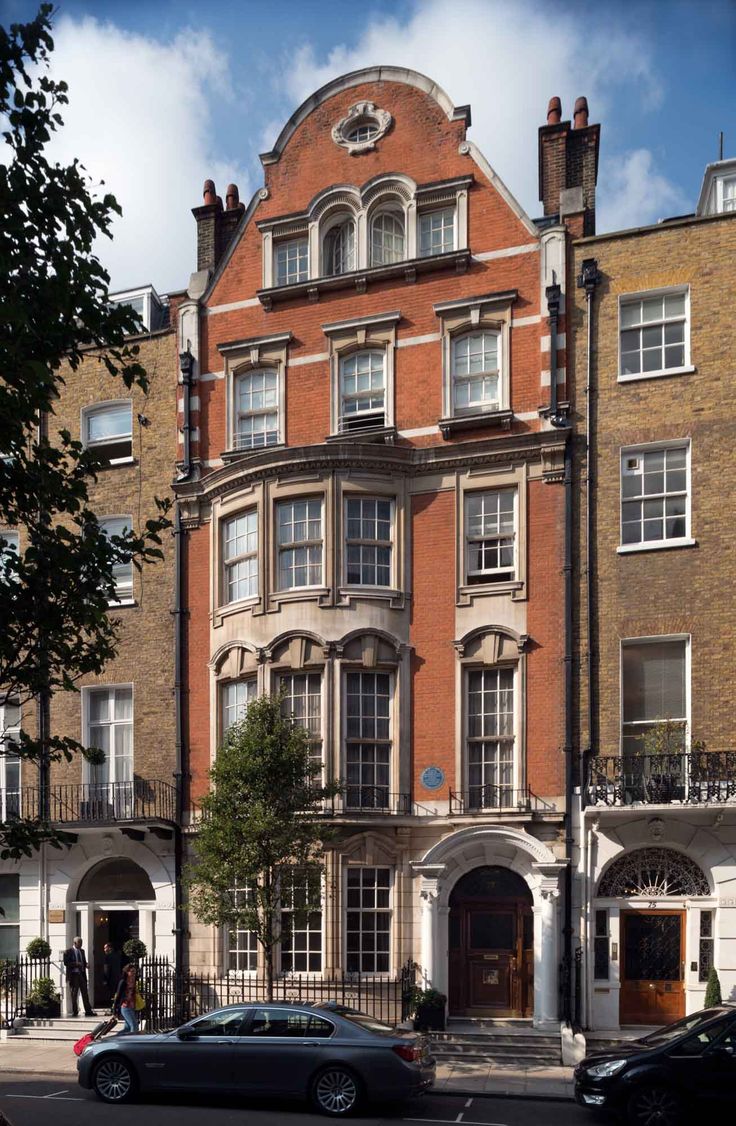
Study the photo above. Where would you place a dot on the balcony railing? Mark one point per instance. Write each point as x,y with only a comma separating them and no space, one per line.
370,799
100,803
692,778
497,799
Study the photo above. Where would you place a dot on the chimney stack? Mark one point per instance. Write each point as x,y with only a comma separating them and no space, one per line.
216,226
568,166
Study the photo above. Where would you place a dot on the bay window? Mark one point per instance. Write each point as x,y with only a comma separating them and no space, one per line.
299,543
240,556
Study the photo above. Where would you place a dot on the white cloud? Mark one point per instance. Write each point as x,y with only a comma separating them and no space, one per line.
141,118
636,193
506,59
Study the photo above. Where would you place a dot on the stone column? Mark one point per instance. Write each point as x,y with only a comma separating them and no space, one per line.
546,969
428,895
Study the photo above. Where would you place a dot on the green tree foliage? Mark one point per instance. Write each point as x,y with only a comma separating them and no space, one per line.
54,593
261,828
713,990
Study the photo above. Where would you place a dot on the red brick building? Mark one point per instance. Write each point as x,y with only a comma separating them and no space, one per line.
373,489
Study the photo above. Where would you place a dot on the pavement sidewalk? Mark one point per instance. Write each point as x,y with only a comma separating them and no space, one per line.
41,1058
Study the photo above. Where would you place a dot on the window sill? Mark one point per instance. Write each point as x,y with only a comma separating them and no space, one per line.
121,603
300,594
238,607
359,280
656,374
469,590
354,592
385,434
658,545
231,455
479,421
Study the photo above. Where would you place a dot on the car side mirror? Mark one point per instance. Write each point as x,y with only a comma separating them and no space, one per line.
721,1053
185,1034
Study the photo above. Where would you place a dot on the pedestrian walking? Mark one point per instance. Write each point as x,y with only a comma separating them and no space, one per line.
125,1004
75,964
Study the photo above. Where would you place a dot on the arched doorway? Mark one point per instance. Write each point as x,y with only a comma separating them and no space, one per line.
112,892
491,944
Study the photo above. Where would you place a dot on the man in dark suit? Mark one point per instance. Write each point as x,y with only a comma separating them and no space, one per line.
75,964
111,969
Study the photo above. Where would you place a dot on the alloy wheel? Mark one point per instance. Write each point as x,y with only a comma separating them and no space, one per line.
113,1081
336,1092
654,1106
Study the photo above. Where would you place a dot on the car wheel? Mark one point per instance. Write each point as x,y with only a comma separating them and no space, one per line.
336,1091
655,1106
114,1080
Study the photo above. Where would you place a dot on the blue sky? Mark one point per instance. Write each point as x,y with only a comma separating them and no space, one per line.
165,94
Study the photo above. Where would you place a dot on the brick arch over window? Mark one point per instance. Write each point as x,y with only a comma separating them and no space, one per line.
653,872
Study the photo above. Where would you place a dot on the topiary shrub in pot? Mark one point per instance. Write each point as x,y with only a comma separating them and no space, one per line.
713,990
38,949
43,1000
429,1010
134,949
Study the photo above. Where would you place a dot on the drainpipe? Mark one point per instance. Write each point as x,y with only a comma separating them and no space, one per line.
178,614
567,1000
588,279
186,366
557,417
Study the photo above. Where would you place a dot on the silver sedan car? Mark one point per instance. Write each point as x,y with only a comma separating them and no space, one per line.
334,1056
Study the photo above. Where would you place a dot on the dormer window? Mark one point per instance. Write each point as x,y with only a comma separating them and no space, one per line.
338,254
146,303
363,390
387,238
728,193
291,261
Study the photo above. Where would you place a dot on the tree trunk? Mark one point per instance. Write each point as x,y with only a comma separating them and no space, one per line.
269,973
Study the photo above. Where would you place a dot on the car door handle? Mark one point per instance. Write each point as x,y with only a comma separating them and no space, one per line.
310,1043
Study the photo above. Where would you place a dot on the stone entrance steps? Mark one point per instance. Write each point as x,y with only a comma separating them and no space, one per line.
602,1041
68,1029
501,1042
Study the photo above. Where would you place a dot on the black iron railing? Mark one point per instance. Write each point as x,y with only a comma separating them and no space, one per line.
175,996
18,977
483,799
370,799
691,777
99,803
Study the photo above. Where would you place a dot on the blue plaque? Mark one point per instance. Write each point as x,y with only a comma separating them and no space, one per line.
433,777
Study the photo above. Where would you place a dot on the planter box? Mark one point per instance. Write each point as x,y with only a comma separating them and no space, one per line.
429,1018
43,1012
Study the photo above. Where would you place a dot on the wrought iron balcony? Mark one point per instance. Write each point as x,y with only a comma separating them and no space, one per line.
100,803
357,799
688,777
497,799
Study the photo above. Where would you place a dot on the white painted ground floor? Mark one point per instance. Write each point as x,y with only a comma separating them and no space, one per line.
106,888
657,897
478,908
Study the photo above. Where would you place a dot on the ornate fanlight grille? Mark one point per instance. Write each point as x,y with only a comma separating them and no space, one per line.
651,873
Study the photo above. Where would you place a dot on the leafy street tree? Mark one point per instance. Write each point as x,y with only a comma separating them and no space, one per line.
54,590
259,847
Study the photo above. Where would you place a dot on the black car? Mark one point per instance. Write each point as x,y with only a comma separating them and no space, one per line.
657,1079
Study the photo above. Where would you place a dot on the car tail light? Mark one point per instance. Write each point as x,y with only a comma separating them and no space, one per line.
409,1052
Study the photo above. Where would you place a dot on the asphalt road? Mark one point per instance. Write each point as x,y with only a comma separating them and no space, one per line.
26,1102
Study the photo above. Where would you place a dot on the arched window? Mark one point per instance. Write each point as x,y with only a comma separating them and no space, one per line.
653,872
338,254
115,879
387,238
363,390
476,372
256,409
364,131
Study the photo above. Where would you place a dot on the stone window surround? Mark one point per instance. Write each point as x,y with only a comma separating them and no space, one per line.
485,480
224,948
391,191
490,312
378,332
641,295
254,354
390,911
263,496
242,661
655,639
658,545
496,643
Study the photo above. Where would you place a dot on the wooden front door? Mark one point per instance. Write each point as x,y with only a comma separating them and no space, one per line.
490,967
652,967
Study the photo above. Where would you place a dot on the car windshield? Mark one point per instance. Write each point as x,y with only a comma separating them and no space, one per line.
368,1022
689,1024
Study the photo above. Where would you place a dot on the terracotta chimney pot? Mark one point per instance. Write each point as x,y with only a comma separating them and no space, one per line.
554,111
232,197
209,191
581,113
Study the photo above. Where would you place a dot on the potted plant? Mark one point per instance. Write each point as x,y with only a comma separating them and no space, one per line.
429,1010
43,1000
38,949
134,949
713,990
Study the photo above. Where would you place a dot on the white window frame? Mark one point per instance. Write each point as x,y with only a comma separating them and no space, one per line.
249,686
361,740
13,924
389,911
251,949
299,244
10,799
514,787
625,642
368,418
101,444
237,560
396,213
485,406
286,911
427,213
272,435
629,452
721,182
281,549
361,498
630,299
124,584
317,743
122,797
344,221
485,578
